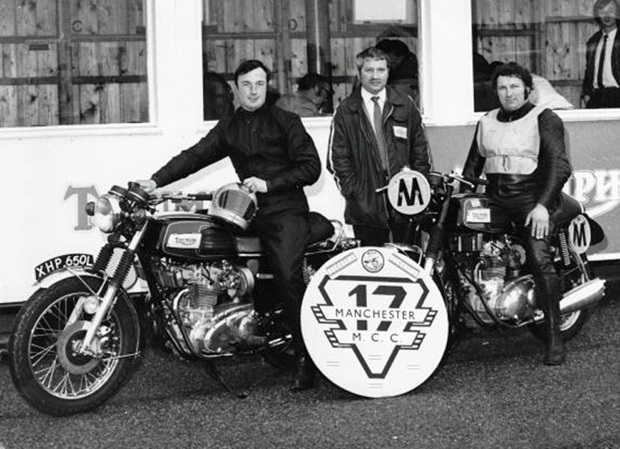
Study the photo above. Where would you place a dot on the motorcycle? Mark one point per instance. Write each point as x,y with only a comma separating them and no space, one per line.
210,296
378,321
479,261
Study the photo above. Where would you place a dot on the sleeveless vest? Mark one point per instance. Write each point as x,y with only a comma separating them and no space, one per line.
510,147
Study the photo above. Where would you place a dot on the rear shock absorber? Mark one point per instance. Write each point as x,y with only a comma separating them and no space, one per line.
564,251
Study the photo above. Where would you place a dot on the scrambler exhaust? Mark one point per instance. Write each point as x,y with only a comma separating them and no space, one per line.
583,296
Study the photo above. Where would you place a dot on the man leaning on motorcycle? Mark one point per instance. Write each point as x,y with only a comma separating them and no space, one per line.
522,151
275,158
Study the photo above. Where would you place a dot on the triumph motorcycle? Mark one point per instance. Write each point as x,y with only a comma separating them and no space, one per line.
474,254
210,295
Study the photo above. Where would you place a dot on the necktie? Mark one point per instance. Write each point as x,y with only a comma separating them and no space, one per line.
377,118
601,63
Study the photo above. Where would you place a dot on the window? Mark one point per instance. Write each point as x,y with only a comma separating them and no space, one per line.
298,37
70,62
549,37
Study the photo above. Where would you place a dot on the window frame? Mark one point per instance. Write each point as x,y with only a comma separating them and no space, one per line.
149,127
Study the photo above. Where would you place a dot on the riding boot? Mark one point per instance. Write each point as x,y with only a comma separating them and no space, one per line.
555,353
305,371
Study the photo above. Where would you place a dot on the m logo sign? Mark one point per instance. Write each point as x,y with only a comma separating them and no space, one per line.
409,192
580,234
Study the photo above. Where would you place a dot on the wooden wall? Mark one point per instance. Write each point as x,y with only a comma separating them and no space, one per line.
72,62
236,30
547,36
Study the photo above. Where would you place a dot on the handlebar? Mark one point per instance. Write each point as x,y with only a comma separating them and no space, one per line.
177,197
469,180
437,179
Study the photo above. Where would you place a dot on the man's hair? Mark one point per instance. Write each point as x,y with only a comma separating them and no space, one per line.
515,70
393,46
311,80
371,53
598,4
248,66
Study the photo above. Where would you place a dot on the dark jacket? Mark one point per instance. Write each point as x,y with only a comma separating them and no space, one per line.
269,143
354,157
545,184
588,80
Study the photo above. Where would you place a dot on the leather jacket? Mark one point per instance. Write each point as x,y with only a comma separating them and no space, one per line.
353,156
268,143
544,185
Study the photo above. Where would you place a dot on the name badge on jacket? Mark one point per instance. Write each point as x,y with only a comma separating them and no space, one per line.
400,131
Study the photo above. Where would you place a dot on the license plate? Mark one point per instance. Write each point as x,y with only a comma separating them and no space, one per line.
59,262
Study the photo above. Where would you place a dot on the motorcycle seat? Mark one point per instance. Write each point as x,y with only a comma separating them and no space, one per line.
568,209
320,229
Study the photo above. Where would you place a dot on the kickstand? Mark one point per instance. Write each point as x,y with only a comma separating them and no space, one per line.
215,374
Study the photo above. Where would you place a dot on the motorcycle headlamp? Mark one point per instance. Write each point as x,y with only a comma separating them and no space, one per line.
107,213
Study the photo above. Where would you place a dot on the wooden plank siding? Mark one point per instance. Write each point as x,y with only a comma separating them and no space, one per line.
231,35
72,62
547,36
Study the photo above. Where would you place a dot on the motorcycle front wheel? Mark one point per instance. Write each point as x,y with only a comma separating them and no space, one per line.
46,367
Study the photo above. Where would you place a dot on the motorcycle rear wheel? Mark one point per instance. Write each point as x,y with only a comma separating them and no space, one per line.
570,325
45,366
281,356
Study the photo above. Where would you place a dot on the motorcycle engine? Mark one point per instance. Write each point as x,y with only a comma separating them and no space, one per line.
508,295
212,305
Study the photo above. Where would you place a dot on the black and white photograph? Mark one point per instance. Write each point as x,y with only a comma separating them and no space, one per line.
242,224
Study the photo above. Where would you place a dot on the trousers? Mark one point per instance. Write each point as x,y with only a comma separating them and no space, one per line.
284,236
539,253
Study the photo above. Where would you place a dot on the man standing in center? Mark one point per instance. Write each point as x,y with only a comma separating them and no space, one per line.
375,133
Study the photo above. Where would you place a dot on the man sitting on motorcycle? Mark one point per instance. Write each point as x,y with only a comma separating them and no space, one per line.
274,157
521,149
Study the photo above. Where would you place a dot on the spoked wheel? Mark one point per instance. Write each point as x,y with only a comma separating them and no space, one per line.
281,354
570,325
46,365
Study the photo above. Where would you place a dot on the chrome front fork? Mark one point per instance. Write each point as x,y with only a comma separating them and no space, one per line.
113,285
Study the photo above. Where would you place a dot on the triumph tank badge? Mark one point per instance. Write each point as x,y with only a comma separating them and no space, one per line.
374,322
191,241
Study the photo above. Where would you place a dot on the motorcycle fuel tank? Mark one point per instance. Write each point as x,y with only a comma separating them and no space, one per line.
195,236
475,212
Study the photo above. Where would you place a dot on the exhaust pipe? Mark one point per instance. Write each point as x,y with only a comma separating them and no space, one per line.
583,296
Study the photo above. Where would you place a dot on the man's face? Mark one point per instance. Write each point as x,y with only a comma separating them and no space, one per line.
374,75
319,96
252,89
511,92
607,15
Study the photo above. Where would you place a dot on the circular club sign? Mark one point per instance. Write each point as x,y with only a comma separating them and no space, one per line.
374,322
409,192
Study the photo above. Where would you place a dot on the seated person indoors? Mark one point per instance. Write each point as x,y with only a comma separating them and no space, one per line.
312,93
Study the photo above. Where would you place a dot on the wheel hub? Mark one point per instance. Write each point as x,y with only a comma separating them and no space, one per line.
68,346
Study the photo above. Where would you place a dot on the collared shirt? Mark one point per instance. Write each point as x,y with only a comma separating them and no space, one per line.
369,105
608,77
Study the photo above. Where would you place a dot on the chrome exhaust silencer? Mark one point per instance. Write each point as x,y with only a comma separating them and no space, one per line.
583,296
